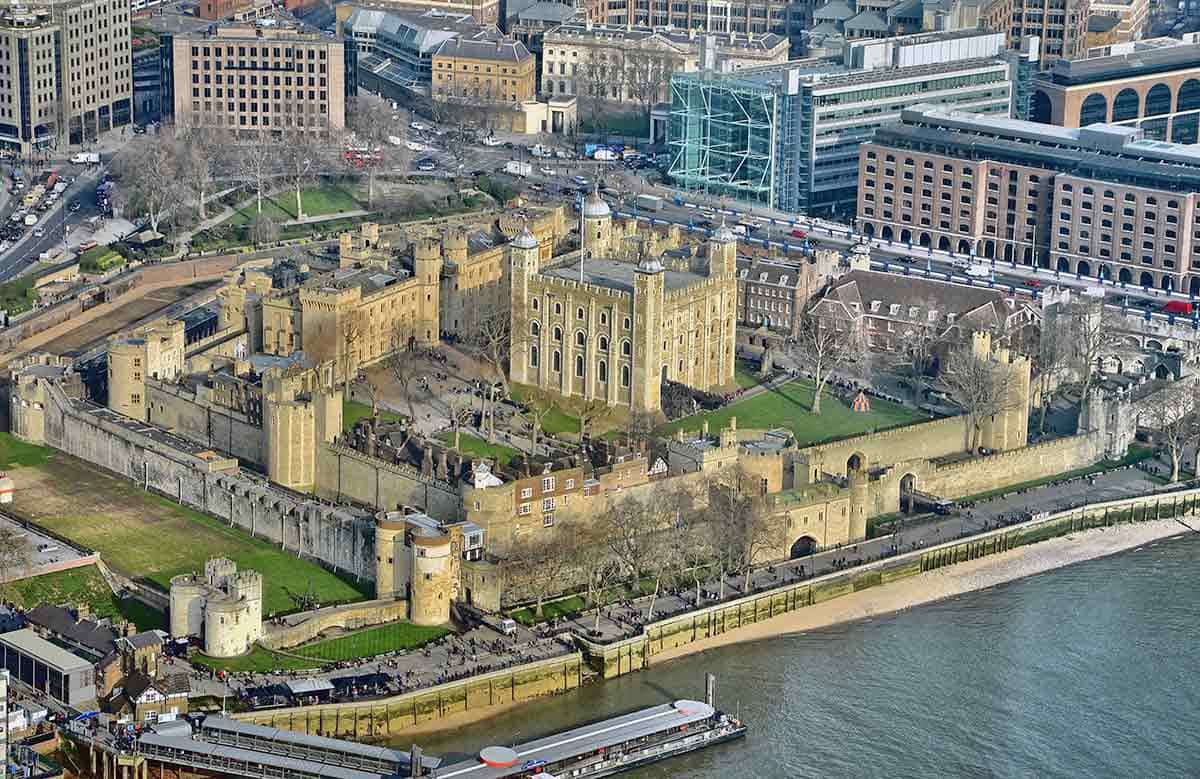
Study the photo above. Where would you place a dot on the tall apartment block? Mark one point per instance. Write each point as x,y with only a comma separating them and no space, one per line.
263,78
1152,84
65,73
1103,201
787,136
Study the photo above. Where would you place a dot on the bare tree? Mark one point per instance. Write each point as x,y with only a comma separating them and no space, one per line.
149,175
204,157
300,163
595,76
534,417
639,427
1051,361
492,342
372,123
263,230
692,539
1093,337
1170,413
590,413
918,341
255,164
982,386
751,531
403,367
459,407
647,76
825,348
594,562
627,525
16,555
351,331
541,562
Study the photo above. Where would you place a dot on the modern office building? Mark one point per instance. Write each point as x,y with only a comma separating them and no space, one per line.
270,77
65,73
1102,201
147,85
788,136
48,668
1152,84
396,50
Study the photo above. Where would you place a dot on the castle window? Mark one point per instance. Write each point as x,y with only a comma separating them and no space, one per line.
533,357
603,343
580,339
626,324
602,371
534,328
557,334
624,375
579,365
579,313
536,304
604,317
557,361
558,309
626,348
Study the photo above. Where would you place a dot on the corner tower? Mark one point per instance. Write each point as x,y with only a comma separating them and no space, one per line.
648,369
722,252
427,267
597,225
524,362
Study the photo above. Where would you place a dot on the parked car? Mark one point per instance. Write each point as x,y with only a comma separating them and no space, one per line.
798,234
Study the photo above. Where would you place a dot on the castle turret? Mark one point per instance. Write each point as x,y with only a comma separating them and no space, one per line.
431,585
528,350
597,225
389,530
454,245
722,252
648,367
427,267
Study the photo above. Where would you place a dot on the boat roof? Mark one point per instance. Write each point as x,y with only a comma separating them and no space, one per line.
589,738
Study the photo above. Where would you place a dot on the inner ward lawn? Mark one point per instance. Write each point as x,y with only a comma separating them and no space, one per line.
788,406
147,536
83,585
473,446
353,411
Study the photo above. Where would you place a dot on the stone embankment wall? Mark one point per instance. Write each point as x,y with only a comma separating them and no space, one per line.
388,717
635,653
338,536
351,617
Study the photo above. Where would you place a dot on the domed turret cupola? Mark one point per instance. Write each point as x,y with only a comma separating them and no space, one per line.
596,224
722,252
525,240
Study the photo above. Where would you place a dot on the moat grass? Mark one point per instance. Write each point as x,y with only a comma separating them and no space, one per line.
379,640
150,537
85,586
473,446
14,452
788,406
257,660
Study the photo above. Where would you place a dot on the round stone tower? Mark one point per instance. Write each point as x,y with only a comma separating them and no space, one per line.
454,245
431,586
187,605
227,628
597,225
389,527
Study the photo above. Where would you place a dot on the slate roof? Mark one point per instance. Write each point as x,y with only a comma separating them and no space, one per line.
835,10
60,621
498,51
868,21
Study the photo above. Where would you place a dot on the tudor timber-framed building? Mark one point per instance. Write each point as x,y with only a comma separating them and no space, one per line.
614,330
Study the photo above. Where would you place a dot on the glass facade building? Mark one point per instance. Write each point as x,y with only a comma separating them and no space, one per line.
787,137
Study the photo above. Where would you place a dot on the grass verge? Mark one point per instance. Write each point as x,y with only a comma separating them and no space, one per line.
477,447
83,586
14,452
378,640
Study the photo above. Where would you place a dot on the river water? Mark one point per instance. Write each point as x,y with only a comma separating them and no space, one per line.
1089,671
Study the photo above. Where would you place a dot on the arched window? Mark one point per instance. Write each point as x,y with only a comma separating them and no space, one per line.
626,324
579,365
602,371
534,328
580,339
603,317
1158,100
1040,110
626,348
602,343
557,309
533,357
557,334
1093,111
624,375
579,313
556,361
1126,105
535,304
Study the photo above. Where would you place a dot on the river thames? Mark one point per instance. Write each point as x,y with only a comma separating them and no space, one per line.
1088,671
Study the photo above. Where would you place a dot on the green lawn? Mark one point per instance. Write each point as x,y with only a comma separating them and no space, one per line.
745,375
374,641
318,201
477,447
14,452
567,607
83,585
18,296
352,412
258,660
99,258
788,406
556,421
151,537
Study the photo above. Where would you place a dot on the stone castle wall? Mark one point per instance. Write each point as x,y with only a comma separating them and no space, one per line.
343,473
176,408
350,617
338,536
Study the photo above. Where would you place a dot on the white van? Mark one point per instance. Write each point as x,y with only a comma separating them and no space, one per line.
508,627
979,271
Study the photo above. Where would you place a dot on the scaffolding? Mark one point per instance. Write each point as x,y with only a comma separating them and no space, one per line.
722,137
